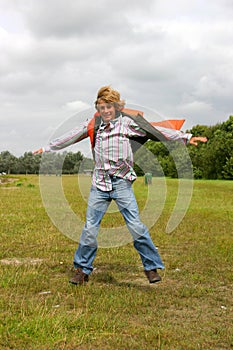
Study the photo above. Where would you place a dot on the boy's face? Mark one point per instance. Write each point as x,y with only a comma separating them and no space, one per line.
107,111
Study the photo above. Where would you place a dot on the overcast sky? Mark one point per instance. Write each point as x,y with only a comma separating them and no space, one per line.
173,57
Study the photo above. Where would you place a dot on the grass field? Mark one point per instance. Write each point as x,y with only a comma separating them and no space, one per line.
192,308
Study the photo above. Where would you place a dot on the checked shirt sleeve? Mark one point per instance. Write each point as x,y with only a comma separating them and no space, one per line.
73,136
174,135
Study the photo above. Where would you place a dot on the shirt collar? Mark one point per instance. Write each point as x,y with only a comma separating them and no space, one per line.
111,123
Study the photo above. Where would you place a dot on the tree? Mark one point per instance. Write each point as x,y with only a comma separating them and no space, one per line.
228,169
8,162
218,151
210,159
72,162
87,164
28,164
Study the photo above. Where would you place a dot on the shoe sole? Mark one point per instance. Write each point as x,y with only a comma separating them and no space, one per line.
76,283
155,281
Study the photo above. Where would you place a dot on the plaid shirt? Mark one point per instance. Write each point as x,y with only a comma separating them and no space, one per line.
113,153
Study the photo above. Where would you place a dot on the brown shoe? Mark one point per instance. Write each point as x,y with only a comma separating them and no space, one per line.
152,276
79,277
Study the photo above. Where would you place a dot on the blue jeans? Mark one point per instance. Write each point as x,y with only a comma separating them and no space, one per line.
98,203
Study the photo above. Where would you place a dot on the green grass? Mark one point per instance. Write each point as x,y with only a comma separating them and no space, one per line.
192,308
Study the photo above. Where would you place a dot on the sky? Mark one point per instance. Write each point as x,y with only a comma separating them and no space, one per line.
171,58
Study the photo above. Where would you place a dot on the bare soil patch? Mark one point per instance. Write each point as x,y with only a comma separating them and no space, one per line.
7,180
15,261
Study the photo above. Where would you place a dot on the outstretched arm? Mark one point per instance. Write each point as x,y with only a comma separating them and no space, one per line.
177,135
73,136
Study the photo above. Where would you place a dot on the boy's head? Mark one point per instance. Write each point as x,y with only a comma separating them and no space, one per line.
107,95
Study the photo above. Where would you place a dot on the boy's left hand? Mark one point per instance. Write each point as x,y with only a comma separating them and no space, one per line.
195,139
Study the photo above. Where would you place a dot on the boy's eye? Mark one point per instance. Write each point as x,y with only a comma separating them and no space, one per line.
108,106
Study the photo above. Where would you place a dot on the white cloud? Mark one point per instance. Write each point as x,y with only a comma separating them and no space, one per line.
77,106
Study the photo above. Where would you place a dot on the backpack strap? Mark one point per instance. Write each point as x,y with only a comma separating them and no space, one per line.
93,127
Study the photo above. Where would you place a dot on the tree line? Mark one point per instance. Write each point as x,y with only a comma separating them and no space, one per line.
212,160
48,163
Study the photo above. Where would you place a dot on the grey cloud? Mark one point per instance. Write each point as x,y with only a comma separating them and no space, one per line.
77,18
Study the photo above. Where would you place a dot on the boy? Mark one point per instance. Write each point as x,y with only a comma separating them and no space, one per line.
112,180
